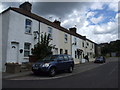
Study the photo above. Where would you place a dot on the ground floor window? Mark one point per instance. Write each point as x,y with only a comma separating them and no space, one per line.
75,54
61,51
26,49
83,55
56,51
66,51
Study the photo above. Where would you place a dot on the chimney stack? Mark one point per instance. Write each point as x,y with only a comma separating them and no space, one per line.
73,29
26,6
57,22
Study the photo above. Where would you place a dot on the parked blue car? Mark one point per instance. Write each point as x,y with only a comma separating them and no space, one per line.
53,63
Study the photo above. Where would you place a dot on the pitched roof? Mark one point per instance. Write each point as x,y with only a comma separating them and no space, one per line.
43,20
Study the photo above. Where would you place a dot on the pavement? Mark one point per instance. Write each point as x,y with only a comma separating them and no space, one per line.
11,75
25,73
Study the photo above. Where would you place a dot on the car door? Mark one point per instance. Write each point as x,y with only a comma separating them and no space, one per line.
66,62
60,62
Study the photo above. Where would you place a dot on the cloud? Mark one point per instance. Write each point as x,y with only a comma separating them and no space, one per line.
96,20
97,5
77,13
1,7
59,9
100,33
90,14
110,27
113,6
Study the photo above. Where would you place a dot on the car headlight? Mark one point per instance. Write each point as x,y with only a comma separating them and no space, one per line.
46,65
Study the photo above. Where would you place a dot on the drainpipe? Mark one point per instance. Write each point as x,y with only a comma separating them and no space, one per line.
71,43
39,32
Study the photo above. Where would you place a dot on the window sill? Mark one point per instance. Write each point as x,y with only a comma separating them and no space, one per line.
26,57
29,33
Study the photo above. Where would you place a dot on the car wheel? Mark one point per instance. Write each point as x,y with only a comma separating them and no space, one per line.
52,72
35,73
70,70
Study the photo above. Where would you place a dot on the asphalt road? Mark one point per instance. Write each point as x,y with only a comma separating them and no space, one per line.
104,76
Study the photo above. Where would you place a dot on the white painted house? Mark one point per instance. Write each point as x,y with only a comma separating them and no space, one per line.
20,27
0,43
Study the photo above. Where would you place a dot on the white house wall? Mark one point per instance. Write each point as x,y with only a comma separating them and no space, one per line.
0,42
58,38
5,27
74,48
90,49
17,34
81,47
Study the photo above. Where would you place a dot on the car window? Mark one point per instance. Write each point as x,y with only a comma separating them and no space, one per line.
65,57
60,57
101,57
52,57
70,57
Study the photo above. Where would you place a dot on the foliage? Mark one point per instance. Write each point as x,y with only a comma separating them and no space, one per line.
111,47
43,48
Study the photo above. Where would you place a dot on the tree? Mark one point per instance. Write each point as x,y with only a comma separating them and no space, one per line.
43,48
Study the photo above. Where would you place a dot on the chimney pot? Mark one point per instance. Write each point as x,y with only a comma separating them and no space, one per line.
26,6
73,29
57,22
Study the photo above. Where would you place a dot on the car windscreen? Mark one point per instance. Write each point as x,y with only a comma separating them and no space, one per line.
99,58
49,58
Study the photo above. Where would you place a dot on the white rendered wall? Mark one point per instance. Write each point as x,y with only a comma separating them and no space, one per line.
0,51
75,47
58,38
90,49
5,27
17,34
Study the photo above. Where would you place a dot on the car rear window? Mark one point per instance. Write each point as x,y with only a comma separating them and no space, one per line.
65,57
60,58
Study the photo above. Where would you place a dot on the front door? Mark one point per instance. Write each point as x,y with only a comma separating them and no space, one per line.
14,52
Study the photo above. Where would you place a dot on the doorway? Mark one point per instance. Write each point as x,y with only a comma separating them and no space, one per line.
14,52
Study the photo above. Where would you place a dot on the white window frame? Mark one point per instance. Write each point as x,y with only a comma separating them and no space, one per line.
65,38
50,32
27,50
28,28
75,40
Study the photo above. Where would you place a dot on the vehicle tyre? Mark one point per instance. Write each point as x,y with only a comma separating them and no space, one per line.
52,72
70,70
35,73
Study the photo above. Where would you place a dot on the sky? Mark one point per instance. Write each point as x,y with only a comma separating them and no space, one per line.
98,21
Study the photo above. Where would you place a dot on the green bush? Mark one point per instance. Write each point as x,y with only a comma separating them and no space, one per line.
43,48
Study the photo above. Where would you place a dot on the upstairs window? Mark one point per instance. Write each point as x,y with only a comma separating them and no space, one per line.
66,38
75,41
26,49
83,44
92,45
28,26
87,44
50,32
